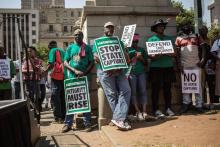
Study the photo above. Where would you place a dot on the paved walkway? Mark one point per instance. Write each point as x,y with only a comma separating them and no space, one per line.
187,130
51,135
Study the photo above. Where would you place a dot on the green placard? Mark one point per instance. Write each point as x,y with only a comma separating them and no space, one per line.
110,53
77,95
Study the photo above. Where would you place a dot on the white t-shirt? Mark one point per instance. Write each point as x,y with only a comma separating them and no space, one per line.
216,47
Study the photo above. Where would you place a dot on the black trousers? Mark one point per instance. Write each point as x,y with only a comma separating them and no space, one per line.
161,78
211,84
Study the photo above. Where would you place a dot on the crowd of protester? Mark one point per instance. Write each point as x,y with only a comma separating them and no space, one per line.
191,51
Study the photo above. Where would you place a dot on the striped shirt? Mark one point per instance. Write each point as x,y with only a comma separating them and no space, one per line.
188,45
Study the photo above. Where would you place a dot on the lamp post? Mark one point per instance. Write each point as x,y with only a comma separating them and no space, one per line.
198,14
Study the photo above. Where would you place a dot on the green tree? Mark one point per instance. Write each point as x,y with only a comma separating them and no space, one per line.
42,53
213,33
184,15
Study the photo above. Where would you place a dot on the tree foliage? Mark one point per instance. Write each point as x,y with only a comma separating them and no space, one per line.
184,16
42,53
213,33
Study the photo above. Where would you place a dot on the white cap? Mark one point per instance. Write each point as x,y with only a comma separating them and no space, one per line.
109,24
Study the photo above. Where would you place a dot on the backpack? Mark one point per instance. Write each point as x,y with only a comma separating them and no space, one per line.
58,69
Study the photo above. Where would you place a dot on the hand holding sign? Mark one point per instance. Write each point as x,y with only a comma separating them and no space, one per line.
110,53
160,47
96,58
78,73
128,34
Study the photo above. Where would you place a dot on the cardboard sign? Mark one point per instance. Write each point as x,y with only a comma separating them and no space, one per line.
128,34
77,95
190,81
5,71
110,53
159,47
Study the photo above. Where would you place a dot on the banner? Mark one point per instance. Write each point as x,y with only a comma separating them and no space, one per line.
110,53
159,47
128,34
190,81
5,69
77,95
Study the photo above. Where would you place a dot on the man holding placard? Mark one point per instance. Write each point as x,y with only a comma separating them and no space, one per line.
188,55
7,71
78,61
161,52
111,60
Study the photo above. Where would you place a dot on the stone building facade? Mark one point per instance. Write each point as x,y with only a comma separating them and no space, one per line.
215,11
29,25
58,24
41,4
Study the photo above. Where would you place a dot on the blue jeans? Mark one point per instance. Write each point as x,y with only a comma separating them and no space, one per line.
86,119
138,82
57,97
118,93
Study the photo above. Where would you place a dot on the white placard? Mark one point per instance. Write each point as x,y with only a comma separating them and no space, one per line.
159,47
128,34
190,81
5,69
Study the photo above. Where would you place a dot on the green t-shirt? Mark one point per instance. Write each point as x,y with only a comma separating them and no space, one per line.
52,58
94,50
138,67
163,61
7,85
71,57
52,55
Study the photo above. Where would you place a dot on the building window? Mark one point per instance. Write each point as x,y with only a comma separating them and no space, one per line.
65,29
33,32
72,14
79,14
57,14
50,28
65,14
33,15
33,24
71,29
33,41
65,45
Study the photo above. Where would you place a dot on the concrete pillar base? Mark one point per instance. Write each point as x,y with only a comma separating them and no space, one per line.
105,113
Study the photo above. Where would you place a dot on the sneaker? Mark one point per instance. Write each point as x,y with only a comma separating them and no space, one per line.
66,128
140,116
169,112
128,126
149,117
159,114
121,125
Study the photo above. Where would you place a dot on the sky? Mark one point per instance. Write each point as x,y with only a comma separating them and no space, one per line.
80,3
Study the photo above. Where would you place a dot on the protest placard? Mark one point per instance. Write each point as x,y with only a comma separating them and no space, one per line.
128,34
5,69
159,47
110,53
77,95
190,81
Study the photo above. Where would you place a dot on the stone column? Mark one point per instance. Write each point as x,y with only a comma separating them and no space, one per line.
105,113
